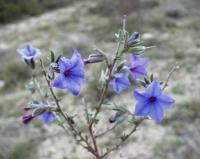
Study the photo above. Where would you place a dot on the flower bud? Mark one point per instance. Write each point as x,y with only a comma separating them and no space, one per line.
27,118
30,63
118,117
133,39
55,67
121,66
38,111
94,58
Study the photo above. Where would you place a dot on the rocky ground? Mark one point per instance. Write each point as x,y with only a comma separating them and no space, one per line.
172,25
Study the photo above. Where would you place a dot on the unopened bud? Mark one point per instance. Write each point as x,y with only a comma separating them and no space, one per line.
121,66
94,58
27,118
38,111
133,39
30,63
118,117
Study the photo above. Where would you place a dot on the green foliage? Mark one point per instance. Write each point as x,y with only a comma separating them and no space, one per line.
13,72
22,150
11,10
112,7
167,146
179,89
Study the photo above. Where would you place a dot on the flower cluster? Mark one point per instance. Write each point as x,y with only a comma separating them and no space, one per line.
72,75
128,66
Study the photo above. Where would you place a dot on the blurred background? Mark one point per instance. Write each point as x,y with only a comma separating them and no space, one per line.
172,25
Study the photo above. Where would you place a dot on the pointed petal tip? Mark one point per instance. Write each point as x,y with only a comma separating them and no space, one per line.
75,92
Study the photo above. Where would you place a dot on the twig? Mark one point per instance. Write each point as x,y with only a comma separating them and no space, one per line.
174,68
74,131
124,139
104,92
107,131
86,111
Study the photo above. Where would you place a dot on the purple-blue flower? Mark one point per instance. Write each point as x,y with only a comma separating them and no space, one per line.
28,52
120,82
152,102
138,66
47,117
71,74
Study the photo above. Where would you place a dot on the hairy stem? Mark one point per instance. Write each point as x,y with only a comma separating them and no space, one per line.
101,101
76,133
174,68
123,139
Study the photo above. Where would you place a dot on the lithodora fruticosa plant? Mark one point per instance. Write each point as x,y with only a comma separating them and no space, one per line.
69,74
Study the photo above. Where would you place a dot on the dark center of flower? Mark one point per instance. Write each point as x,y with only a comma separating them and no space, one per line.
67,73
133,69
152,99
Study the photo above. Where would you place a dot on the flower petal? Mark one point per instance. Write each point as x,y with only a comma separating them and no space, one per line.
138,72
59,82
120,83
138,66
165,101
142,62
79,79
78,71
76,59
64,64
47,117
73,86
139,96
154,89
28,52
135,58
142,108
71,83
156,113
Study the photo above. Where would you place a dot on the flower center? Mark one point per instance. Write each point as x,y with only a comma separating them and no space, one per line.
132,69
152,99
67,73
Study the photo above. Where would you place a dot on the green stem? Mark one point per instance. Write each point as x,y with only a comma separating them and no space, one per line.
101,101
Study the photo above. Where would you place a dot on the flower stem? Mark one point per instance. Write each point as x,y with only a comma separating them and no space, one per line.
124,139
76,133
174,68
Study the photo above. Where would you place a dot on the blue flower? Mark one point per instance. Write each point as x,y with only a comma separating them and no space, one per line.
138,66
71,74
29,52
152,102
120,82
47,117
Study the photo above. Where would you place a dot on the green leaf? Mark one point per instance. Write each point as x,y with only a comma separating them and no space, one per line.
146,81
139,43
121,36
151,78
99,51
52,56
137,49
143,83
